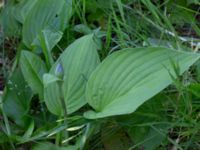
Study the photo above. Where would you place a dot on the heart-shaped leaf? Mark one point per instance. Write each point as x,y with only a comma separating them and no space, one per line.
128,78
78,62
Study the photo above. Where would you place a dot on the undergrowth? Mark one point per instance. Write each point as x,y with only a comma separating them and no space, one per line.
62,75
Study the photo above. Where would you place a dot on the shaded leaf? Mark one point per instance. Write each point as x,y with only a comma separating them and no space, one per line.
138,124
29,130
11,26
194,89
114,137
3,138
17,96
33,69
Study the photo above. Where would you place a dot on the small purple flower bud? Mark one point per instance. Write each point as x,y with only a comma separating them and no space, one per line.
59,72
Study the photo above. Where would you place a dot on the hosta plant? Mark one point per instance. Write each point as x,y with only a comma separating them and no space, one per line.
89,72
118,85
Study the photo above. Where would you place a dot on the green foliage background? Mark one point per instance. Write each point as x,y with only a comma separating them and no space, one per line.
100,74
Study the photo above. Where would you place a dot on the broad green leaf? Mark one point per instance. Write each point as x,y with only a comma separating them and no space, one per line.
46,13
78,62
128,78
16,98
52,92
33,69
52,95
